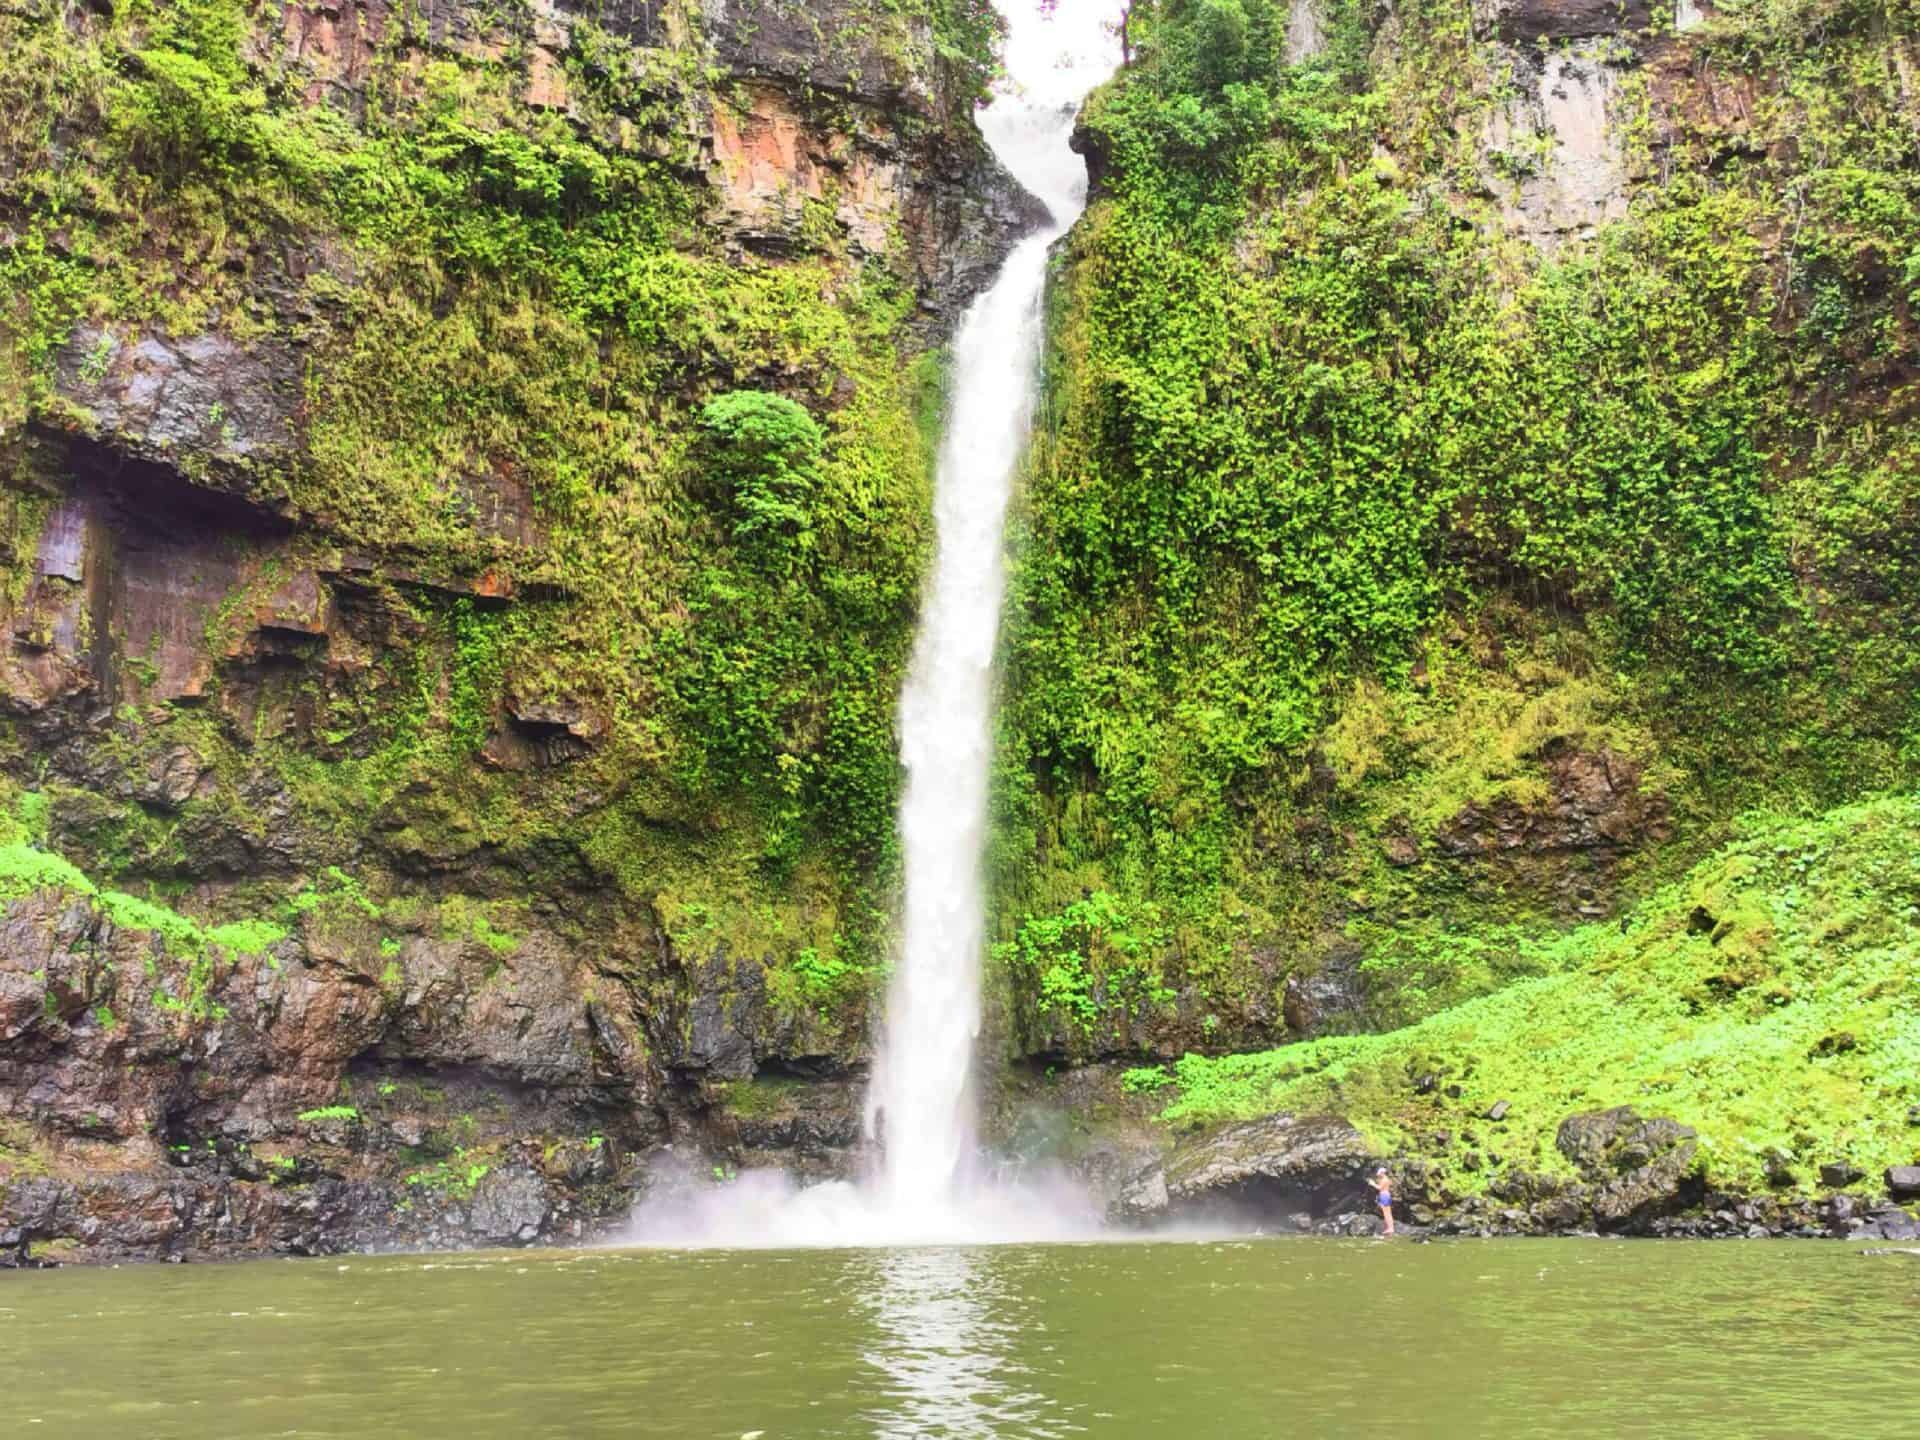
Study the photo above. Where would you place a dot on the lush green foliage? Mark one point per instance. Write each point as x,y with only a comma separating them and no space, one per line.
1768,1000
1086,960
529,363
1353,515
1350,516
767,450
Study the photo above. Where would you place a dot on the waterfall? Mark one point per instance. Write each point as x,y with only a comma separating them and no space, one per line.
921,1103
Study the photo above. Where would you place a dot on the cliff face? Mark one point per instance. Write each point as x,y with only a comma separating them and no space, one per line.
1479,464
446,775
465,493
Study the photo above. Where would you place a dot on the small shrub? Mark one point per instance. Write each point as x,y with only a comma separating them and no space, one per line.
327,1113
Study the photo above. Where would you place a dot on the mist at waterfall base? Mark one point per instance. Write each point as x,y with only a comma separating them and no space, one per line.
930,1185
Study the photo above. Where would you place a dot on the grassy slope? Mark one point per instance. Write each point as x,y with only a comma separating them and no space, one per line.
1771,999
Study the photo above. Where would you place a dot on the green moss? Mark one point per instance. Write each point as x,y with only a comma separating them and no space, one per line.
520,321
194,951
25,868
327,1113
463,918
21,1154
182,935
760,1097
1767,1000
1350,516
247,937
456,1176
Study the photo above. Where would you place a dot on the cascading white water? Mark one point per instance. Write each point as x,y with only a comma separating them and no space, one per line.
920,1104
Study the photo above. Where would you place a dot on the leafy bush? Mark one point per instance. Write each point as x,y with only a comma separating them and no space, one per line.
767,450
1088,958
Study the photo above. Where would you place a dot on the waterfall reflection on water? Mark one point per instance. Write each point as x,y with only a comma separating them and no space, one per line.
1308,1338
948,1329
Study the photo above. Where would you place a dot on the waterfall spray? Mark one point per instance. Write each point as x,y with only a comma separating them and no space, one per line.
921,1105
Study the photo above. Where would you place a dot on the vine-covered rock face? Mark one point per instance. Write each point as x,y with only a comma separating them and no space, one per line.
464,478
1476,467
410,724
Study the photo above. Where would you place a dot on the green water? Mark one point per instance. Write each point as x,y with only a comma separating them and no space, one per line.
1292,1338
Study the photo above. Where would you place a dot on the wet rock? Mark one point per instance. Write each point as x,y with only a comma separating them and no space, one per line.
509,1208
1144,1196
1269,1168
172,778
1534,20
1888,1222
1560,1213
1596,804
812,1128
162,398
95,1060
721,1016
1327,997
903,165
1595,814
33,1210
545,733
1638,1170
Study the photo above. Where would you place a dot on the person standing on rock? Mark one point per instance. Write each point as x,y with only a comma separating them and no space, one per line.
1383,1197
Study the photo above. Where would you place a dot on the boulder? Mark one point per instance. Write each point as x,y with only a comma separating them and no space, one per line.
509,1208
1903,1181
1778,1165
1639,1170
1839,1174
1888,1222
1267,1169
1841,1219
1143,1197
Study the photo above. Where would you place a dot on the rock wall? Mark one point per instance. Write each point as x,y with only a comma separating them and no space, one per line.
470,990
425,815
1328,697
